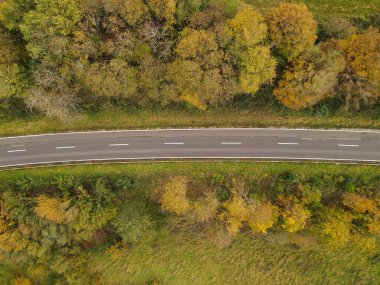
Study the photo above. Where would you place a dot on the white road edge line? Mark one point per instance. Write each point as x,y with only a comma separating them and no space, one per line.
65,147
195,157
348,145
17,150
288,143
174,143
227,143
119,144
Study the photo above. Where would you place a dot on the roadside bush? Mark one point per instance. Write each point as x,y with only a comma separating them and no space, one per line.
174,197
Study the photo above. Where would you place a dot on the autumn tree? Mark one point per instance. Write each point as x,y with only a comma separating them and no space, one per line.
174,195
262,216
236,213
51,209
310,78
359,82
164,10
205,208
52,93
255,64
292,29
10,50
199,74
295,217
21,281
334,226
360,204
116,79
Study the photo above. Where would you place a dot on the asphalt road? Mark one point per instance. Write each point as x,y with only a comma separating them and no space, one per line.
268,144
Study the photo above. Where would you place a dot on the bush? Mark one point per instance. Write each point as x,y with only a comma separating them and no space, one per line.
290,177
136,221
174,196
349,184
222,194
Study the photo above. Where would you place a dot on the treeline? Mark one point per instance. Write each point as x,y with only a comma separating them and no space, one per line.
51,226
61,55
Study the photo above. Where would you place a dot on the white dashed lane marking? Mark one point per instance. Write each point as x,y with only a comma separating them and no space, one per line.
289,143
119,144
65,147
231,143
174,143
348,145
17,150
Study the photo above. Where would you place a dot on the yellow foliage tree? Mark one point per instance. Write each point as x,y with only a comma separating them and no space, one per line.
134,11
292,28
164,10
201,76
248,27
295,217
335,226
262,216
174,196
374,226
258,67
249,33
196,44
236,213
51,209
21,281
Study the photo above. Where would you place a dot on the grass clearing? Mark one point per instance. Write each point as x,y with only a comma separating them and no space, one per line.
185,258
325,9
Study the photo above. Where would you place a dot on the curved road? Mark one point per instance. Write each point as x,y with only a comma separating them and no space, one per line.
268,144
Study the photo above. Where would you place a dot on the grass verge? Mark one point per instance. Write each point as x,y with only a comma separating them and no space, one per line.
114,118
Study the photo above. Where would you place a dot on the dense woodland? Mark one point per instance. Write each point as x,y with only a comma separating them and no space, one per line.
80,228
62,56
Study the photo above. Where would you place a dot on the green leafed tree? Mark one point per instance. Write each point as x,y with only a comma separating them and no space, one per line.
50,18
13,80
12,12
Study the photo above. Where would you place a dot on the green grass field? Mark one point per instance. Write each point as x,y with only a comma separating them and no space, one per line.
324,9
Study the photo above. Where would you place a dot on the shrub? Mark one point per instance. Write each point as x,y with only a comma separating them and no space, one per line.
174,196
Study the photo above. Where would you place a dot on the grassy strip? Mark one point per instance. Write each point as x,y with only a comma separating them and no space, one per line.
118,119
149,171
324,9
